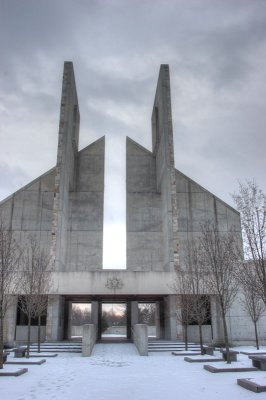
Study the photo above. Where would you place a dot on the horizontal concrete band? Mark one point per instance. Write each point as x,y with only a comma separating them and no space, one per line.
112,282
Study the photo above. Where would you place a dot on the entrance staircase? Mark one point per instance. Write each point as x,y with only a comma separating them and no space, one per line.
57,347
76,346
169,345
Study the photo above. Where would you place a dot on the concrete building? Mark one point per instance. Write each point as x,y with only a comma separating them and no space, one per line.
63,209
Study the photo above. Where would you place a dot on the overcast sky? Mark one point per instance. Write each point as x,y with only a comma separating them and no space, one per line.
216,50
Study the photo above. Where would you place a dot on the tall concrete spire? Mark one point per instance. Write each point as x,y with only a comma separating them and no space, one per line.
68,139
163,149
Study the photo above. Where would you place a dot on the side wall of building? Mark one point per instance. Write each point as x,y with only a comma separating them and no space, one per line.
195,206
28,212
144,220
85,226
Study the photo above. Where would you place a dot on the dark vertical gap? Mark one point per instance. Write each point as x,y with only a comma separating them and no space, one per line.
99,320
65,320
162,322
128,304
215,213
157,125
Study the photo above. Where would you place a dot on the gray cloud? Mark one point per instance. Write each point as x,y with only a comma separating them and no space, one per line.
11,177
217,55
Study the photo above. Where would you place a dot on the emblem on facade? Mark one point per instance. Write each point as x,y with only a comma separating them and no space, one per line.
114,283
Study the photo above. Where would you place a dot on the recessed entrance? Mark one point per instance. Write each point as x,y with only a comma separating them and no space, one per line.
114,321
80,315
114,316
147,314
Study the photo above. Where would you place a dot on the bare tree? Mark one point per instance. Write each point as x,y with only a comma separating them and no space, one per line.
9,263
80,316
41,308
191,286
147,313
251,203
220,255
198,279
184,300
251,300
35,283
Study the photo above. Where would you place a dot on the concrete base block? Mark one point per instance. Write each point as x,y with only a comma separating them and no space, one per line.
259,362
232,355
20,352
29,362
213,369
209,350
174,353
43,355
252,385
14,373
200,360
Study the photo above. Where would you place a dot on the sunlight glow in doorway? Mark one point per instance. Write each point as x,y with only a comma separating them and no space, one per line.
114,231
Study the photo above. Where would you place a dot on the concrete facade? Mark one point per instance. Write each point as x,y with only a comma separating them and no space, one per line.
63,209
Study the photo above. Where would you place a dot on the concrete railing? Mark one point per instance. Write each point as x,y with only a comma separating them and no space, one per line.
88,339
140,338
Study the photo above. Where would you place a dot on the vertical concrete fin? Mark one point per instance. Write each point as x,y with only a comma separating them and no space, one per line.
68,138
163,149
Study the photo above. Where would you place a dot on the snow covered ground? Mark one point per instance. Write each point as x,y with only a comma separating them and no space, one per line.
116,372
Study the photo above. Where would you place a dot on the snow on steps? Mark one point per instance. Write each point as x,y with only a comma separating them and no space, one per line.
169,345
153,346
57,347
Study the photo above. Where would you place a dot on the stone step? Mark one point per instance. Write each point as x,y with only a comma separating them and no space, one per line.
57,347
160,346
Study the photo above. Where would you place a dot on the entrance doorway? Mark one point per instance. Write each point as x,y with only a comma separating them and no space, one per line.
114,318
80,315
148,313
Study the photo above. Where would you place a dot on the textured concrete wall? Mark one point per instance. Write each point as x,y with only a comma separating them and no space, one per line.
29,210
85,225
195,206
144,221
22,334
194,336
240,326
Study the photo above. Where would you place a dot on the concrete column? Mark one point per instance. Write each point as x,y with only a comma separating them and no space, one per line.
179,326
170,317
217,326
94,312
140,337
134,313
88,339
55,318
95,316
69,324
157,320
10,322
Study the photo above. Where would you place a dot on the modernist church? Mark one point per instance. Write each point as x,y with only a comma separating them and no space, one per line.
63,209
